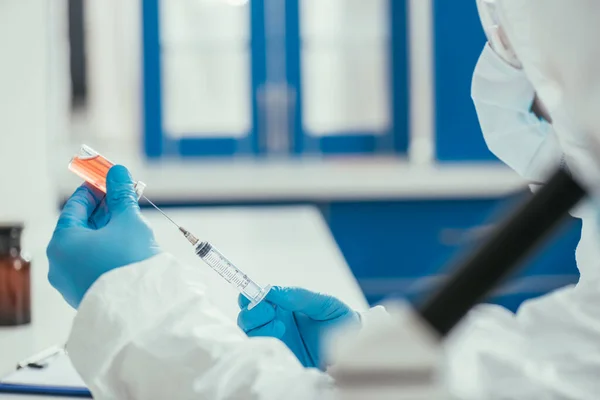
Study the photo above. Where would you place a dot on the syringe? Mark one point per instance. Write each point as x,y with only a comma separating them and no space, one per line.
93,168
217,261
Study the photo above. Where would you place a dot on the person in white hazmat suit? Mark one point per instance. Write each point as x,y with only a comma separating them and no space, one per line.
145,328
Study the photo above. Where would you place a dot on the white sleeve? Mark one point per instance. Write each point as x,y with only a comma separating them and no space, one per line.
373,316
503,97
148,331
548,350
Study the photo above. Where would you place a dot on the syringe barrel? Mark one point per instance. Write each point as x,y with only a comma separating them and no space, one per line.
203,249
217,261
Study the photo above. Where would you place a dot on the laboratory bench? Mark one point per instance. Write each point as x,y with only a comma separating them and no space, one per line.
275,245
404,247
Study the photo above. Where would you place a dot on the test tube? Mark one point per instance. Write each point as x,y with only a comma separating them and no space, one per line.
92,167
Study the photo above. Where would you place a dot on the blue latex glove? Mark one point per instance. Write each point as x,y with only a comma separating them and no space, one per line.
297,317
94,236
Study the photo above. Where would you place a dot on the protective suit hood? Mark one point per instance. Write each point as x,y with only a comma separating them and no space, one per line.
555,41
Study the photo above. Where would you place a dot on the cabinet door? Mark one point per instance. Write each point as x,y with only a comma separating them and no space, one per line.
198,78
351,70
406,239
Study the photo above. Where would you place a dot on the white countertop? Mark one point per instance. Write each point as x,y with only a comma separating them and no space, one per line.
280,246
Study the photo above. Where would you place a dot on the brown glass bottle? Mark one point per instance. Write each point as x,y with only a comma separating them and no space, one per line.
15,289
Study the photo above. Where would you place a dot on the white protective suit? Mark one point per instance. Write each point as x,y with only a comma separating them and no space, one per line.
553,41
549,349
148,330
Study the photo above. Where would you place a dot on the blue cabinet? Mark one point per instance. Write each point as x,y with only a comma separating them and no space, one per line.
404,248
409,239
302,77
274,77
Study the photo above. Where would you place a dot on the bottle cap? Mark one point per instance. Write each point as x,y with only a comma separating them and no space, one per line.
139,189
10,237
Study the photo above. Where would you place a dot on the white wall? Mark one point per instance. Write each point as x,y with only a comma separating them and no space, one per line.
113,41
26,189
422,130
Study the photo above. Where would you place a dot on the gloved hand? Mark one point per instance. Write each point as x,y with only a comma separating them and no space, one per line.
297,317
83,247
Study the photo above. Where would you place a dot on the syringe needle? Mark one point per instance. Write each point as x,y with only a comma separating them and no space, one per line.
188,235
162,212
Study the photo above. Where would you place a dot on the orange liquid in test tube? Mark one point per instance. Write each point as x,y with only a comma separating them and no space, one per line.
91,167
